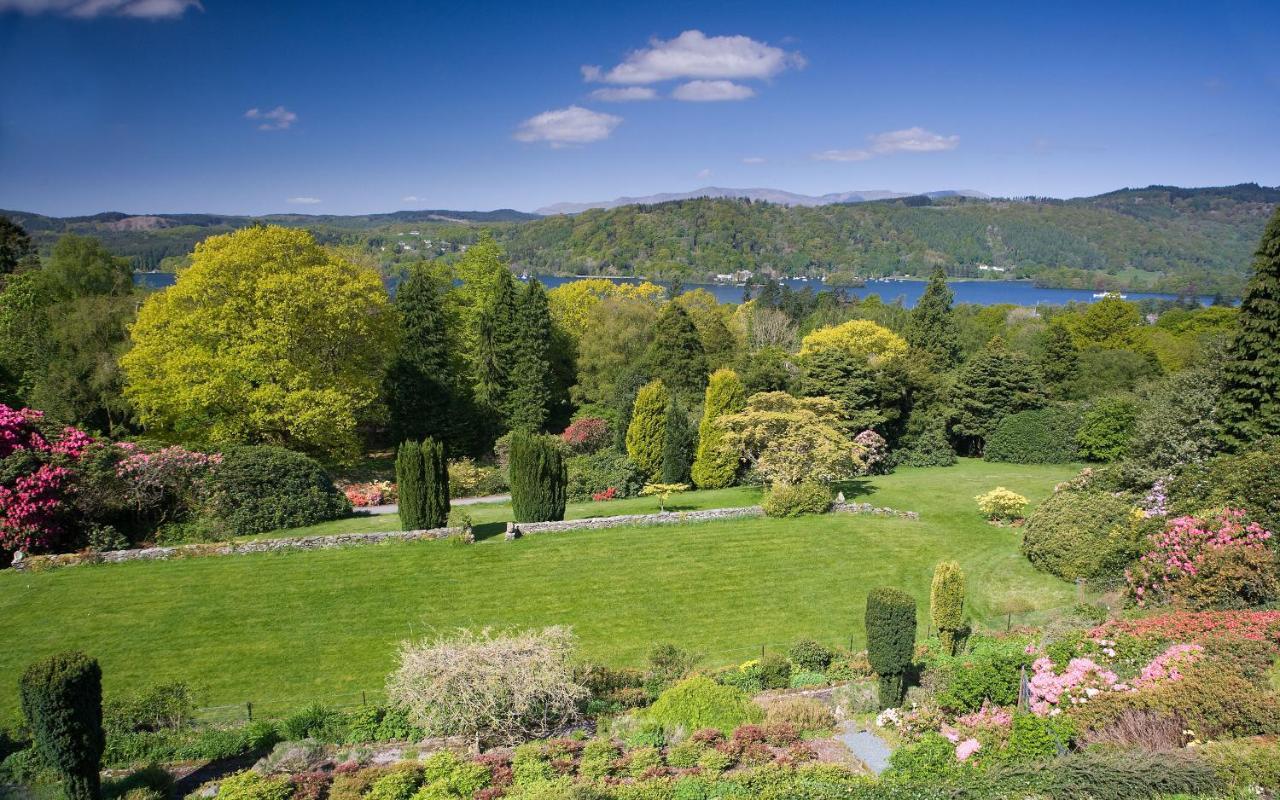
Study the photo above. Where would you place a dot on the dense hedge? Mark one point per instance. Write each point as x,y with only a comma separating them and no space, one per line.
1248,480
598,472
797,500
1081,533
929,447
62,701
891,639
259,489
422,478
1040,436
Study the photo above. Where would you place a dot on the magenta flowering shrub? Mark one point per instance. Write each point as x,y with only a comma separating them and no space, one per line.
1178,554
586,435
35,480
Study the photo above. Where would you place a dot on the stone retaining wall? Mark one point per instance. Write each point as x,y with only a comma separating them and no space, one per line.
234,548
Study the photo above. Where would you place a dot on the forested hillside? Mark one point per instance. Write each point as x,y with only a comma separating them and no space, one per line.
1160,237
1163,238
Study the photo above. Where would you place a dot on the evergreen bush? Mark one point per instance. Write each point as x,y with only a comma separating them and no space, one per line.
259,488
435,485
411,487
891,639
1040,436
1081,534
929,447
1106,428
946,604
713,467
785,500
699,702
539,478
61,699
677,445
647,430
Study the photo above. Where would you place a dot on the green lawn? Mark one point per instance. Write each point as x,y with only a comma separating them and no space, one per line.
286,628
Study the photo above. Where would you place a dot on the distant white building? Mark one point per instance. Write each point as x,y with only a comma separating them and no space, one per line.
989,268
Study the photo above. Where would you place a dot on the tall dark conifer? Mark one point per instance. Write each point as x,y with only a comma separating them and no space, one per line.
411,486
676,356
678,445
435,483
496,347
1060,358
528,405
932,328
994,383
419,384
1250,405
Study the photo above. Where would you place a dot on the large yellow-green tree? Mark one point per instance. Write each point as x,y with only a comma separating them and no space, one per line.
265,338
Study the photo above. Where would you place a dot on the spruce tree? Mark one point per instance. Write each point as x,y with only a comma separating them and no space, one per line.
713,468
677,444
847,379
647,430
496,347
1250,405
529,404
932,328
420,381
675,355
435,484
61,698
539,478
411,489
992,384
1060,358
890,624
946,604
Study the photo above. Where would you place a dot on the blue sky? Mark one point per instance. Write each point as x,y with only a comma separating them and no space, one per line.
148,105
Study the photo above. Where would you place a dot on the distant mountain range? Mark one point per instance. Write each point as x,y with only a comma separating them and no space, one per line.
779,196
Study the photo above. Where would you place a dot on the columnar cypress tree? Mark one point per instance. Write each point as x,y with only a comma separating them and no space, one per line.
529,402
994,383
713,468
676,356
435,484
496,347
1060,358
411,471
420,381
539,478
677,444
647,431
891,640
932,328
946,604
62,700
1250,404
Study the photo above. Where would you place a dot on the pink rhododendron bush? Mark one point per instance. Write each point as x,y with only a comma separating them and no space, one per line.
35,481
370,493
1220,561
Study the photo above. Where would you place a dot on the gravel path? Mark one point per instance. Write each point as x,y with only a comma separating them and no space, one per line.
869,748
461,501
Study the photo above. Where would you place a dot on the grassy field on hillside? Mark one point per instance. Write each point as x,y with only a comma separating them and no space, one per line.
288,628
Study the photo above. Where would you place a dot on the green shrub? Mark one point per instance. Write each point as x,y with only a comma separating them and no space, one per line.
928,447
62,701
1107,428
398,784
678,443
811,656
151,782
699,702
1248,480
932,759
647,430
783,500
530,764
597,472
1080,534
411,490
317,722
1040,436
713,467
539,478
259,489
890,624
775,671
946,603
167,706
1245,763
808,680
1000,504
990,671
597,759
1103,775
1034,738
249,785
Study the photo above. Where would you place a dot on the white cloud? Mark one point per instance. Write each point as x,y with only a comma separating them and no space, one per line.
712,91
304,201
276,119
565,126
908,140
409,198
88,9
704,173
693,54
624,94
753,160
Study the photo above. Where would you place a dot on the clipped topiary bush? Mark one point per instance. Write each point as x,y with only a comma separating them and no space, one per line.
946,603
410,486
258,489
1000,504
436,483
539,478
699,702
1040,436
61,699
891,640
785,500
811,656
1081,534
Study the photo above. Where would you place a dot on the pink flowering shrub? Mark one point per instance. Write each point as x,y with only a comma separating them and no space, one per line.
36,480
172,477
967,748
875,450
586,435
1082,680
988,716
1188,550
1188,626
372,493
18,431
1169,665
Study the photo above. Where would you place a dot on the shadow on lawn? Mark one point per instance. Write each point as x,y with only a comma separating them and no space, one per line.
859,487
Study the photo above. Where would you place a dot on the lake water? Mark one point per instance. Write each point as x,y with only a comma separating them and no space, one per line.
983,293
